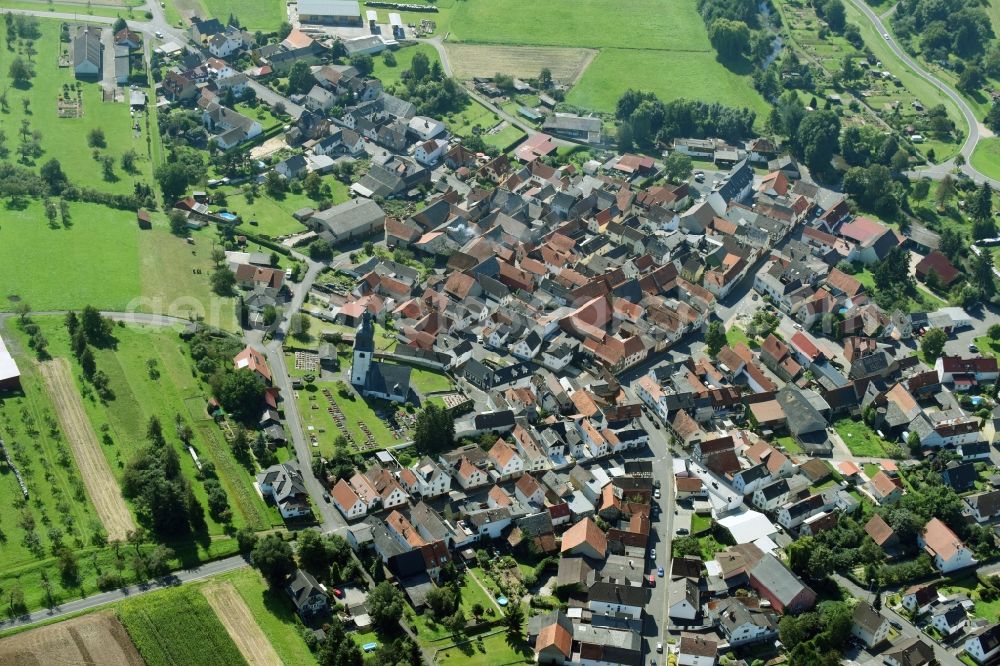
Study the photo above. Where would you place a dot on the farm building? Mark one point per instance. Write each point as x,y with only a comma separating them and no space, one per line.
10,376
330,12
356,218
574,127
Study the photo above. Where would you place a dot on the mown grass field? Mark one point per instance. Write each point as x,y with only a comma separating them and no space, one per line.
95,261
670,74
175,390
177,626
986,157
104,260
495,650
66,139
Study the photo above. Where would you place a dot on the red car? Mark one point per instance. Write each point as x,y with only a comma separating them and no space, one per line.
652,580
339,593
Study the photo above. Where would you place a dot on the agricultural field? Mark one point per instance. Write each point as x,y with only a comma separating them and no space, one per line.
178,626
97,638
39,448
170,389
273,613
240,624
68,7
669,74
64,138
264,15
102,487
471,60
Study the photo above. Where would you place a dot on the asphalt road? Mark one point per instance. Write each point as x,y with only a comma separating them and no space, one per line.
939,170
178,578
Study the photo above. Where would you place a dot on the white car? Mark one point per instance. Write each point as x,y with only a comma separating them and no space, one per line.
886,35
159,35
659,647
656,494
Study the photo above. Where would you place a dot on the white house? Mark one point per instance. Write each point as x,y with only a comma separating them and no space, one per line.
984,646
747,481
350,505
945,548
284,485
429,152
743,625
224,44
432,480
527,347
425,128
505,459
490,523
869,625
771,496
607,598
654,397
949,618
918,599
983,507
683,599
529,491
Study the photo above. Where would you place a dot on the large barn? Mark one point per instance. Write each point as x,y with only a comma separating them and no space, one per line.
330,12
10,376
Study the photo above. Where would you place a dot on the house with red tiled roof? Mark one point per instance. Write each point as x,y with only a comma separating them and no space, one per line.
940,266
528,490
805,348
350,505
505,459
884,489
585,538
948,552
252,360
880,532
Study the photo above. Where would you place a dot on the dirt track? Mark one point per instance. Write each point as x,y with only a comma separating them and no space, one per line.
240,624
97,639
101,484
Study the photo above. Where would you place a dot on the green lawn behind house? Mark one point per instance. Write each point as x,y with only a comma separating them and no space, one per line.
859,438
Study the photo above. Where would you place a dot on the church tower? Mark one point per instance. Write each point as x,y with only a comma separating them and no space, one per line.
364,349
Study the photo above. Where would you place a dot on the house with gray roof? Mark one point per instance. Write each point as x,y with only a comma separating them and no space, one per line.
356,218
88,52
308,596
283,484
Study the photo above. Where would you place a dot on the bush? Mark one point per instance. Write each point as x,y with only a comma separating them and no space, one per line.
109,580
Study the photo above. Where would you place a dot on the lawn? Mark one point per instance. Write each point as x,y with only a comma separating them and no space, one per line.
273,613
66,139
735,335
859,438
425,381
89,9
273,217
494,650
986,157
700,523
671,74
391,75
988,610
871,469
791,446
505,138
174,391
177,626
988,346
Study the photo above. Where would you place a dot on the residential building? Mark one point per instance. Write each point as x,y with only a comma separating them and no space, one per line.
947,551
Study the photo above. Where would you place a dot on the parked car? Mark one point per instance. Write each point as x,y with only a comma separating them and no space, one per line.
659,646
652,580
896,625
339,593
659,572
652,554
683,530
656,494
974,349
